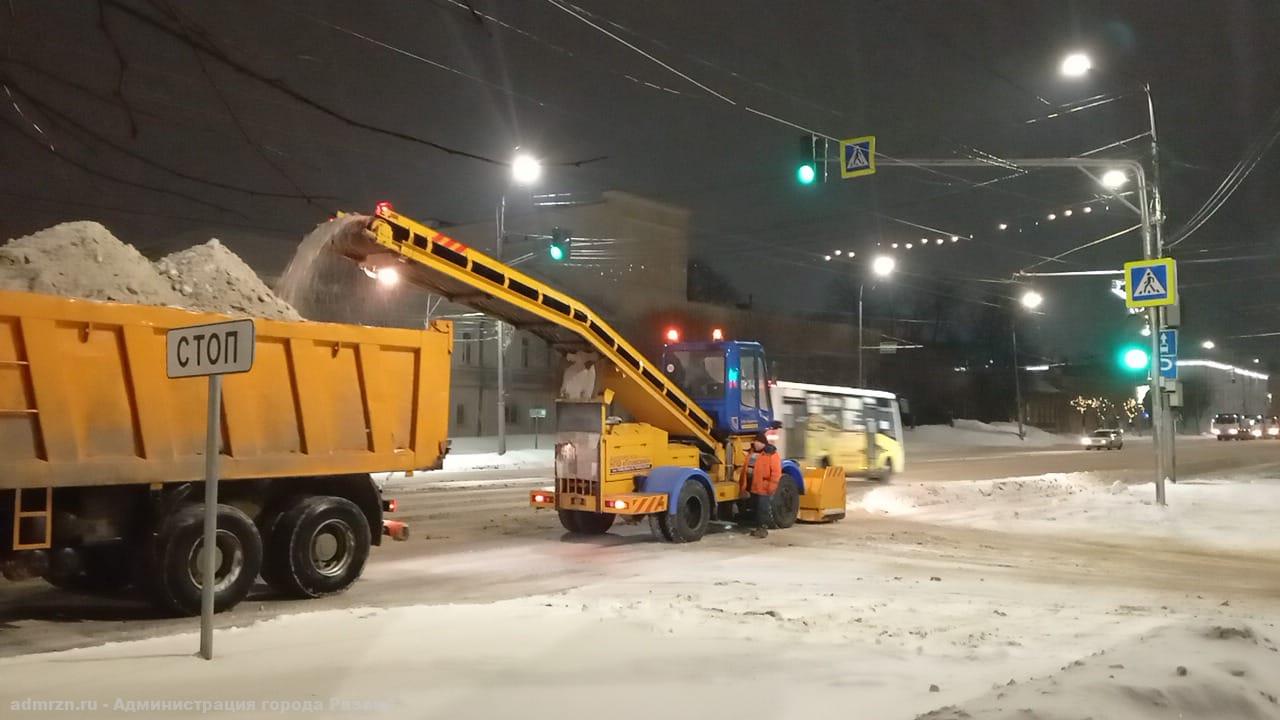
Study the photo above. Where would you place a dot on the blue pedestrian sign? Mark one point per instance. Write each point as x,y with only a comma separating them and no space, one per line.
858,156
1148,283
1169,354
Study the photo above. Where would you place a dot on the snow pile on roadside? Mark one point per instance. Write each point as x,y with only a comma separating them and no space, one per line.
1225,513
1174,672
971,433
84,260
514,459
212,278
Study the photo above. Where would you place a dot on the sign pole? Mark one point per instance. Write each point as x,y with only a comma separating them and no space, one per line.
211,449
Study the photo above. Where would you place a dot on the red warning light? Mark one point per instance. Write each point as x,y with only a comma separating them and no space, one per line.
673,335
382,208
717,334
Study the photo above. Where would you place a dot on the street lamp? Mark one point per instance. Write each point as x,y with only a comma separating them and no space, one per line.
881,267
525,170
1076,65
1030,300
1208,345
1114,179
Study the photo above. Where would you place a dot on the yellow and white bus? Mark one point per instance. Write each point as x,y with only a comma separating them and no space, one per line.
826,425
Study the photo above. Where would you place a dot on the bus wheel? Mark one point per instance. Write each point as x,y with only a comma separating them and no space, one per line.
786,502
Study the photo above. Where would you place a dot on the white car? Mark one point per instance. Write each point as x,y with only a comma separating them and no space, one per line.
1230,426
1103,440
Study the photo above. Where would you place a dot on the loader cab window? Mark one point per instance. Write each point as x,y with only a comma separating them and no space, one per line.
700,373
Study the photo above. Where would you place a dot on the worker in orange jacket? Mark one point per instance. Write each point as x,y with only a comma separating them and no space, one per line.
761,471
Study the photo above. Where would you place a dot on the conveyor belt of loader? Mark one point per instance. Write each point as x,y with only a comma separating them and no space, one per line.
440,264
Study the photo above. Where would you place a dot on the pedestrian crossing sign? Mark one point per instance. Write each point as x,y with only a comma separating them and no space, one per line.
858,157
1148,283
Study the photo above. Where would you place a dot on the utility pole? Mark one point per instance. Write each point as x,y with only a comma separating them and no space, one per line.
1017,380
502,380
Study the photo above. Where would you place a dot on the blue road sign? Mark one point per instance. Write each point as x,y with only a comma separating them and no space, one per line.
1169,367
1148,283
1168,343
857,156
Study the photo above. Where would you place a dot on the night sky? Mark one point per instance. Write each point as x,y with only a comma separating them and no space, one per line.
174,121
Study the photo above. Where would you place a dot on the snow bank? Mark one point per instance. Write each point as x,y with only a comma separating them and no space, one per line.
971,433
1224,513
480,453
1174,672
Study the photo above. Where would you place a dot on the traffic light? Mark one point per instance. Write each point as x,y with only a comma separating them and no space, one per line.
558,248
806,165
1134,358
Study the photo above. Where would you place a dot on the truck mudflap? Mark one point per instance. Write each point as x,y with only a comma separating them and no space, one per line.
395,529
824,499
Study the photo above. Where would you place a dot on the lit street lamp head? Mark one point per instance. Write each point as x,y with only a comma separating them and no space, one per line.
1114,179
525,169
1076,65
387,276
1208,345
883,266
1032,299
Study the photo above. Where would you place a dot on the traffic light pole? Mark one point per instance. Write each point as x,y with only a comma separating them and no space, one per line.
1152,247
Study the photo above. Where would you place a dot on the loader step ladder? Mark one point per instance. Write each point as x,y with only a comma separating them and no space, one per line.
464,275
33,518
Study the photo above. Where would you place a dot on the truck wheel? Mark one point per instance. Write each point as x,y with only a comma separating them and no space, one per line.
319,547
586,523
175,567
102,569
692,516
786,502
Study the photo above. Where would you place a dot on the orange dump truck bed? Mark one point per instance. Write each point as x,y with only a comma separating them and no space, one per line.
85,401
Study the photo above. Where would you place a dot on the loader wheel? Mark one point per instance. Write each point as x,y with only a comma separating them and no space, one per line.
692,515
786,503
174,573
586,523
317,547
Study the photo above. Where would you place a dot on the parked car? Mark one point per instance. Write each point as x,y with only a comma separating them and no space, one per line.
1230,426
1103,440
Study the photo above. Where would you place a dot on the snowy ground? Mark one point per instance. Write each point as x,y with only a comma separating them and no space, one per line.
971,433
1052,594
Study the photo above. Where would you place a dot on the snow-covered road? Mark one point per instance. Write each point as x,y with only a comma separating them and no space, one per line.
1086,604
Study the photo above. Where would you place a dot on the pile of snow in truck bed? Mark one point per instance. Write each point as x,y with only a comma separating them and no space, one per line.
83,259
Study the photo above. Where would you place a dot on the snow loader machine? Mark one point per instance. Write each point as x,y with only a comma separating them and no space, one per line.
677,458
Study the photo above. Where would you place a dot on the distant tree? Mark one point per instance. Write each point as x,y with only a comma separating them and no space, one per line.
706,284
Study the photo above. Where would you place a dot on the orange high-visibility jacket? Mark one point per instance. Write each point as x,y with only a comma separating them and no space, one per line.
766,473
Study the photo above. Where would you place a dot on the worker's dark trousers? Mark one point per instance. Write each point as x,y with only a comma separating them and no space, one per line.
762,506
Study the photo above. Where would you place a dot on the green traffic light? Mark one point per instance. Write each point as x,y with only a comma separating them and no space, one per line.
556,251
805,174
1134,358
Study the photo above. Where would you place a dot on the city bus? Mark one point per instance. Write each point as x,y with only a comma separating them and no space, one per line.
825,425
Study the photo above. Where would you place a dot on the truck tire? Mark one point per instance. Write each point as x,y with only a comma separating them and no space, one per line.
786,503
318,547
103,568
692,516
173,572
586,523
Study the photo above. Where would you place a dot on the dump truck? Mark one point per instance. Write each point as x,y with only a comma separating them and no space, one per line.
676,460
102,455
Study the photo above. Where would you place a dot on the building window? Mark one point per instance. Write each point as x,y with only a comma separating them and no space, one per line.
513,414
524,352
459,415
466,348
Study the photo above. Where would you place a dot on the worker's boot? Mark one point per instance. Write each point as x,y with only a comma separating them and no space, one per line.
759,532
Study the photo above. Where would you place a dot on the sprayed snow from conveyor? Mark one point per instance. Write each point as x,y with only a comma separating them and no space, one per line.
83,259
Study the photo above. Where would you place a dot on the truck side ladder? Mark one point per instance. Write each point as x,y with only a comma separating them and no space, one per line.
466,276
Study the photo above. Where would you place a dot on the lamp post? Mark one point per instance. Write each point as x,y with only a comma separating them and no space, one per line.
1030,300
525,170
881,267
1077,65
